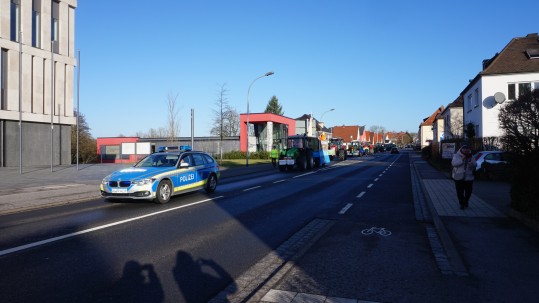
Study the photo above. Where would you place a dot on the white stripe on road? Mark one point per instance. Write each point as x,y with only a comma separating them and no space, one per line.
360,194
375,180
345,208
251,188
370,185
46,241
305,174
279,181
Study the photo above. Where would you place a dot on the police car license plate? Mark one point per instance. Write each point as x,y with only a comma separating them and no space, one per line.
119,190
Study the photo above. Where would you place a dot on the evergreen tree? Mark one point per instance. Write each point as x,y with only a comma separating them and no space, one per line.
274,107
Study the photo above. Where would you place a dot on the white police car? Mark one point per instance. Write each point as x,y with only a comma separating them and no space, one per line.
161,175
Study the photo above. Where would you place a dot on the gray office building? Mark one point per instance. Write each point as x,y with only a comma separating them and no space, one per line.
37,74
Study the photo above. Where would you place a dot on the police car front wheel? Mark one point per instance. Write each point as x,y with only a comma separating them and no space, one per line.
164,191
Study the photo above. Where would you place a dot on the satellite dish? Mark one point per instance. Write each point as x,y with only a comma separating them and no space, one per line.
499,97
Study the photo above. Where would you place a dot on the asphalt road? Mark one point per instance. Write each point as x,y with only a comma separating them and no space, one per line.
184,251
198,245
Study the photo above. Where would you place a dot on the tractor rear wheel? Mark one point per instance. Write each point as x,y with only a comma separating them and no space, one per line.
310,160
302,162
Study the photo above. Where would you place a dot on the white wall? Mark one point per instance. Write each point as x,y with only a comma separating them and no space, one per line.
486,115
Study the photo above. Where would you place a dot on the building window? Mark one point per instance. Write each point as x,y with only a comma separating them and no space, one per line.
469,102
476,97
524,88
3,79
36,23
511,91
55,26
14,26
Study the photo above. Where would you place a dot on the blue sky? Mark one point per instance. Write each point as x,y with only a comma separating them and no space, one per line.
386,63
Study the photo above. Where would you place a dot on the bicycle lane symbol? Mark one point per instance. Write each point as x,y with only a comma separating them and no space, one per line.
378,230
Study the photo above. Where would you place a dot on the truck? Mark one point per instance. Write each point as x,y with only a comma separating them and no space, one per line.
302,152
337,149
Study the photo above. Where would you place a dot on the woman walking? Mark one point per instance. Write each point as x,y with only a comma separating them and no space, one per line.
463,173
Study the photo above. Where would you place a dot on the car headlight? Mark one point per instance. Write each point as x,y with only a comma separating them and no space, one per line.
144,181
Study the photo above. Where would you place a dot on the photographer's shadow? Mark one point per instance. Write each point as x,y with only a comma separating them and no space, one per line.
191,275
139,283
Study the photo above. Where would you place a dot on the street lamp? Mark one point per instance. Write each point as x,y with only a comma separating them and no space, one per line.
247,132
329,110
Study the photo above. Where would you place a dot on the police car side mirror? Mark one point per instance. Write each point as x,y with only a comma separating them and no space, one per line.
184,164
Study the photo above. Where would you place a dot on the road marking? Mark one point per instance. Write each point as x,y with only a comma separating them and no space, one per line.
380,174
360,194
279,181
302,175
46,241
345,208
370,185
248,189
376,180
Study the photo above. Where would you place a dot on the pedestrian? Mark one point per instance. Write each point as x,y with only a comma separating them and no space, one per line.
274,155
463,173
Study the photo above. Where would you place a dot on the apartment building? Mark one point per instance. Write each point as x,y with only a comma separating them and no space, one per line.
37,74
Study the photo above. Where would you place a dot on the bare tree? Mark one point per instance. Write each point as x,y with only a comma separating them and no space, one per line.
226,120
377,129
173,124
219,114
232,122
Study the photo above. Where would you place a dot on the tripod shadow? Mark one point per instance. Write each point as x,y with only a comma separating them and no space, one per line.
191,275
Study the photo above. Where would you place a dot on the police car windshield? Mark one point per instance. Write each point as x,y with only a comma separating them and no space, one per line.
158,160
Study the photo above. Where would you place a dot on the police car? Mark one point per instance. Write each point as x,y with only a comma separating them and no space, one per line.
161,175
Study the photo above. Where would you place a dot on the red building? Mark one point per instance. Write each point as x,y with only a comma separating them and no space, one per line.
269,129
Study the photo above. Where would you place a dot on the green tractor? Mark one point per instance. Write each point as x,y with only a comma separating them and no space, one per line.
302,152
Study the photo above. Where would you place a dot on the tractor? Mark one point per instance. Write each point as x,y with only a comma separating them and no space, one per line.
355,149
337,149
302,152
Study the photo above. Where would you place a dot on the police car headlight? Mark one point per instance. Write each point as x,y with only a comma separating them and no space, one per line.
144,181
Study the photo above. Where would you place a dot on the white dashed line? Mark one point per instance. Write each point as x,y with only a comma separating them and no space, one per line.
251,188
303,175
360,194
278,181
345,208
376,180
370,185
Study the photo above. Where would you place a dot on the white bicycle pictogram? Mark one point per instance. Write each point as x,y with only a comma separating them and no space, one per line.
379,230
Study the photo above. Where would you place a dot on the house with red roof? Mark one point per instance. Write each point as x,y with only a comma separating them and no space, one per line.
425,132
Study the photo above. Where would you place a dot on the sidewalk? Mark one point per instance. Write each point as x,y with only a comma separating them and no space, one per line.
39,187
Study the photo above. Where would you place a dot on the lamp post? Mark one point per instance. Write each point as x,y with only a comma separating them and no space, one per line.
247,124
329,110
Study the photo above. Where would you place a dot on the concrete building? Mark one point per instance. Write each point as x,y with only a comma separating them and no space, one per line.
37,72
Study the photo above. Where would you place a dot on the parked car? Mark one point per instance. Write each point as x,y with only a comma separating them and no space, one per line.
161,175
491,163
